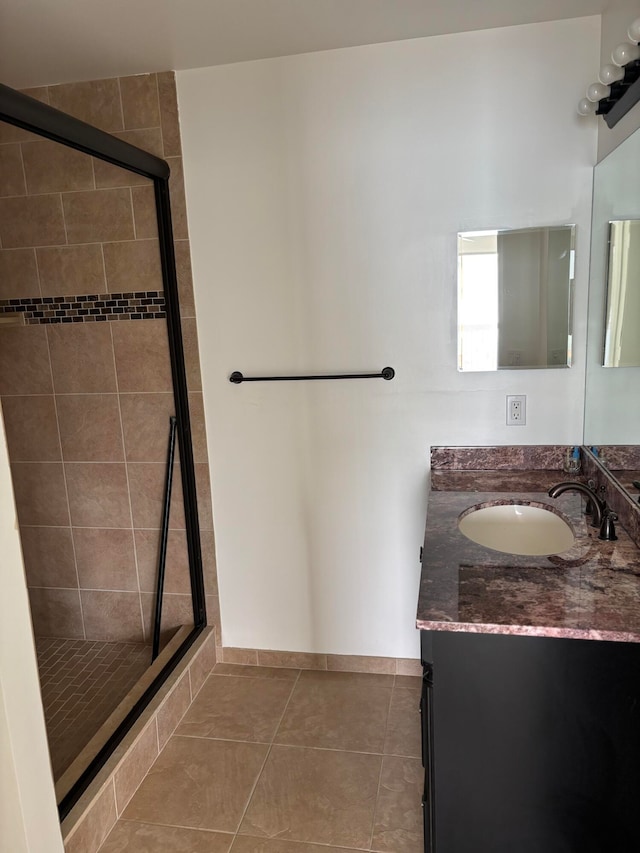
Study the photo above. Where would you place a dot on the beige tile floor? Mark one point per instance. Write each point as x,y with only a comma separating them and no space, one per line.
285,761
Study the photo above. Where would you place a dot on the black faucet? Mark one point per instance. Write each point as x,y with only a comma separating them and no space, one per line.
597,506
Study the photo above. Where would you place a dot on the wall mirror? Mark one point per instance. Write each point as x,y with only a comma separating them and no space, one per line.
612,401
622,321
515,292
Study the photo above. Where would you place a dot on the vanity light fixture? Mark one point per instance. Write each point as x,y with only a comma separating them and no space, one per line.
618,86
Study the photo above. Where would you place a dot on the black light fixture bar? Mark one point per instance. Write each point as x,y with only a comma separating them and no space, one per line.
237,377
624,95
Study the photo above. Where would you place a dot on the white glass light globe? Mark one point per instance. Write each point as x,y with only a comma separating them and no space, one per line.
634,31
610,73
598,91
586,107
624,53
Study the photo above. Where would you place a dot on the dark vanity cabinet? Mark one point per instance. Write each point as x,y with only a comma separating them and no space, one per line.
530,744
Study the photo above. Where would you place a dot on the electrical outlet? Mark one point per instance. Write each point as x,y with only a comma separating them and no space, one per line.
516,409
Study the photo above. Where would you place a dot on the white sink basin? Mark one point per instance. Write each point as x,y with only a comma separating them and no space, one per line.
517,529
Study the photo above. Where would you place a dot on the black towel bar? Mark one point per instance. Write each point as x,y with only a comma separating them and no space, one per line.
237,377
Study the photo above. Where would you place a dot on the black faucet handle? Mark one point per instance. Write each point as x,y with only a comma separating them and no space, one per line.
607,528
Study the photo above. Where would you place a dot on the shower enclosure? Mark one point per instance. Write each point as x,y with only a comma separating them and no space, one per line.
92,376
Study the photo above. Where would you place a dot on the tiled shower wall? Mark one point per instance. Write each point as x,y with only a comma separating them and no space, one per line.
86,391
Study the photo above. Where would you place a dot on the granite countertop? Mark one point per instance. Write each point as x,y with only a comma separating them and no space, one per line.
591,591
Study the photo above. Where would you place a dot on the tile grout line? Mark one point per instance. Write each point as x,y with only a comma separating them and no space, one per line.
157,88
384,740
126,471
266,758
66,485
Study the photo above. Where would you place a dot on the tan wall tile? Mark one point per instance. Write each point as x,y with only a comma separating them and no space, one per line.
18,274
24,361
10,133
144,211
169,114
140,101
98,494
213,616
178,201
148,138
40,494
198,430
90,428
202,664
11,172
71,270
142,356
245,657
96,825
146,486
112,615
48,556
73,370
408,682
98,215
96,101
145,421
173,709
32,429
298,660
177,577
136,765
185,279
108,175
408,666
56,613
208,547
177,610
105,558
133,265
361,663
31,221
203,492
51,167
191,355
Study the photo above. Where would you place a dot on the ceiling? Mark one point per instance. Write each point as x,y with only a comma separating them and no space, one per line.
57,41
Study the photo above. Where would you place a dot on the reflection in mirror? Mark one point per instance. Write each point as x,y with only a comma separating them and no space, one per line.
612,401
514,298
622,327
622,461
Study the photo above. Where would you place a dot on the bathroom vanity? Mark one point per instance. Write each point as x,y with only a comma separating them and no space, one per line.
531,688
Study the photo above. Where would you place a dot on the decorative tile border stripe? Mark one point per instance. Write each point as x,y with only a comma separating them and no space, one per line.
138,305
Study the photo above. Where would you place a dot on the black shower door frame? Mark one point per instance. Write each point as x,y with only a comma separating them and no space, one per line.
27,113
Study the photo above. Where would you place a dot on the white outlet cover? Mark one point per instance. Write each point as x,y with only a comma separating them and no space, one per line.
516,409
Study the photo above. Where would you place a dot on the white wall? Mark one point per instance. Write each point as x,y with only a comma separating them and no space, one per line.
28,814
324,195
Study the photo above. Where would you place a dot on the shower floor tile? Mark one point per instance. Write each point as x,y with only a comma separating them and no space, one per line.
82,682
